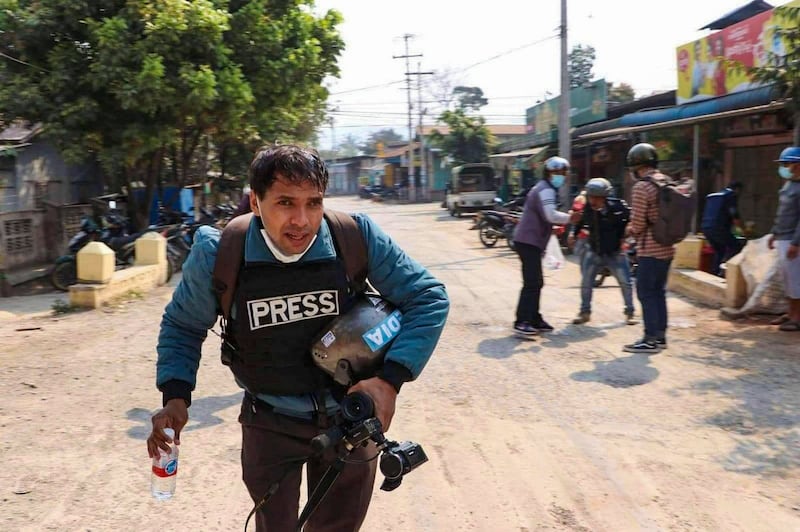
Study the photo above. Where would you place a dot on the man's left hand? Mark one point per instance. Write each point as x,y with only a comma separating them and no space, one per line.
792,252
383,395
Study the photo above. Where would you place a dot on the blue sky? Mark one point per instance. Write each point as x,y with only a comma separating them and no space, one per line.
508,48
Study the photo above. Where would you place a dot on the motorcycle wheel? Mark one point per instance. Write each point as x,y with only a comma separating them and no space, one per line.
64,274
487,238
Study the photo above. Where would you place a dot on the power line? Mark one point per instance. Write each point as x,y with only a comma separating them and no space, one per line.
510,51
21,62
367,88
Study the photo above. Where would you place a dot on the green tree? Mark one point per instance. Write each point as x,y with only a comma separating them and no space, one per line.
782,71
470,98
580,62
468,139
620,93
349,147
156,88
383,136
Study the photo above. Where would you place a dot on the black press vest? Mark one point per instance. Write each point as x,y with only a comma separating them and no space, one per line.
280,308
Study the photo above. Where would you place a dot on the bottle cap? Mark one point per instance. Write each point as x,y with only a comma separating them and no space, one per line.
169,432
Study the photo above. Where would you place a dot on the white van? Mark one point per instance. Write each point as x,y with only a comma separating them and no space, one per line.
471,188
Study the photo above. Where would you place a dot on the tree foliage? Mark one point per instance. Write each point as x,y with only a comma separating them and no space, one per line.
620,93
468,139
158,88
580,62
782,71
469,98
384,136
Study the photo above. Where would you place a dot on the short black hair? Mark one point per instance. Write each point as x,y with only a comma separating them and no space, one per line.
292,162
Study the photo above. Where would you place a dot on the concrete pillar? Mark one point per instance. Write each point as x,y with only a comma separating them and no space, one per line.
688,253
736,286
95,263
151,248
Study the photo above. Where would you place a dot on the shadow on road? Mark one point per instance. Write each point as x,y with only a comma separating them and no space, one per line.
201,415
765,419
634,370
501,348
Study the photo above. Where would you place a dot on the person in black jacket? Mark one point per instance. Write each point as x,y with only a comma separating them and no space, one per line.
720,216
606,218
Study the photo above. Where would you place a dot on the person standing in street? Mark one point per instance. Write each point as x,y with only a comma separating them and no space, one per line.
531,235
654,258
786,233
293,280
720,216
606,218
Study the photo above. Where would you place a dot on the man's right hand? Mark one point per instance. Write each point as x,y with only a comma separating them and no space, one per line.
771,242
174,415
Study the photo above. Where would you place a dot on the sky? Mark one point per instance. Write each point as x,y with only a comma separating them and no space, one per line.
508,48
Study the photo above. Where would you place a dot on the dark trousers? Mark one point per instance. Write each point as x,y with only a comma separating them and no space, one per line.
725,246
532,283
274,448
651,288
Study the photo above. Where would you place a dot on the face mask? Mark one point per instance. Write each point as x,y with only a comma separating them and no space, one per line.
280,255
785,172
557,180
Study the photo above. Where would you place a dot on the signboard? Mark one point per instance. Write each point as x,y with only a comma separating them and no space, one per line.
587,104
702,71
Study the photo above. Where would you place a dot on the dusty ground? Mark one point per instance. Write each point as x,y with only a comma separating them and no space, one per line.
565,433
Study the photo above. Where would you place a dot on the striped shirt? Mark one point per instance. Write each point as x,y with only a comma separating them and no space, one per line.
644,209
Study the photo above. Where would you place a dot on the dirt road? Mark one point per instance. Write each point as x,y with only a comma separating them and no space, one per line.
564,433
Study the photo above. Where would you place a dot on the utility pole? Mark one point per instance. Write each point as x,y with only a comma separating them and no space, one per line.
412,192
564,104
423,159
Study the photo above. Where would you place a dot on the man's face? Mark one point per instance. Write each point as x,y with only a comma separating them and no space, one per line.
597,202
291,214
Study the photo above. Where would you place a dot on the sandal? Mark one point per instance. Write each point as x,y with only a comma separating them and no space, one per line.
790,326
780,320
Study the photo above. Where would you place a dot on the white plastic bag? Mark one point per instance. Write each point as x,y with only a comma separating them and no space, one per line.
553,258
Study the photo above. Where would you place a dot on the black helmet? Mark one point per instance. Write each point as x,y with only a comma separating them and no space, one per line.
353,345
642,155
556,164
598,186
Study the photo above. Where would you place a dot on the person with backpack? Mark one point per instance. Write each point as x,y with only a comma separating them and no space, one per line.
606,218
531,236
280,276
720,216
661,216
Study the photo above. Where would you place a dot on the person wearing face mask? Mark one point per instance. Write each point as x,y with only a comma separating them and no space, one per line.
293,281
654,258
606,218
785,233
531,235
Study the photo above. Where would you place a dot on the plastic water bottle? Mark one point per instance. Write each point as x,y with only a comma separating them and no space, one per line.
165,469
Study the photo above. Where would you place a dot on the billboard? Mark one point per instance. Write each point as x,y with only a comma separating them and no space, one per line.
587,104
702,69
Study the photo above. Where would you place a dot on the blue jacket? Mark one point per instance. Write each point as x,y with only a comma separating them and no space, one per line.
193,310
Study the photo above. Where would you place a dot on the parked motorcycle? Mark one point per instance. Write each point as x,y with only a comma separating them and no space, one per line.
494,225
65,270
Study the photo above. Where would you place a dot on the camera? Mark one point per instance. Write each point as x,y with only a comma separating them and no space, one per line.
356,424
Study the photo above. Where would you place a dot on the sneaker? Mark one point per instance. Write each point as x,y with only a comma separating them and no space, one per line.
543,327
525,330
661,342
583,317
629,319
642,346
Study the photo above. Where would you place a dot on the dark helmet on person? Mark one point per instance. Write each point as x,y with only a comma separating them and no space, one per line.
556,164
352,346
642,154
599,186
789,155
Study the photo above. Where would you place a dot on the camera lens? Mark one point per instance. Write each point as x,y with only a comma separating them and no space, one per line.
357,407
391,465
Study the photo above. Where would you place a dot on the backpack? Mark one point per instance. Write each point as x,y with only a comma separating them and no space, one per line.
675,212
347,239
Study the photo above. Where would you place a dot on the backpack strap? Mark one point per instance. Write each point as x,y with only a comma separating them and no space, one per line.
347,238
230,255
350,246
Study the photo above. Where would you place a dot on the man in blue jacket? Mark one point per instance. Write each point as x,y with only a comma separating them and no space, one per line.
289,252
720,215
